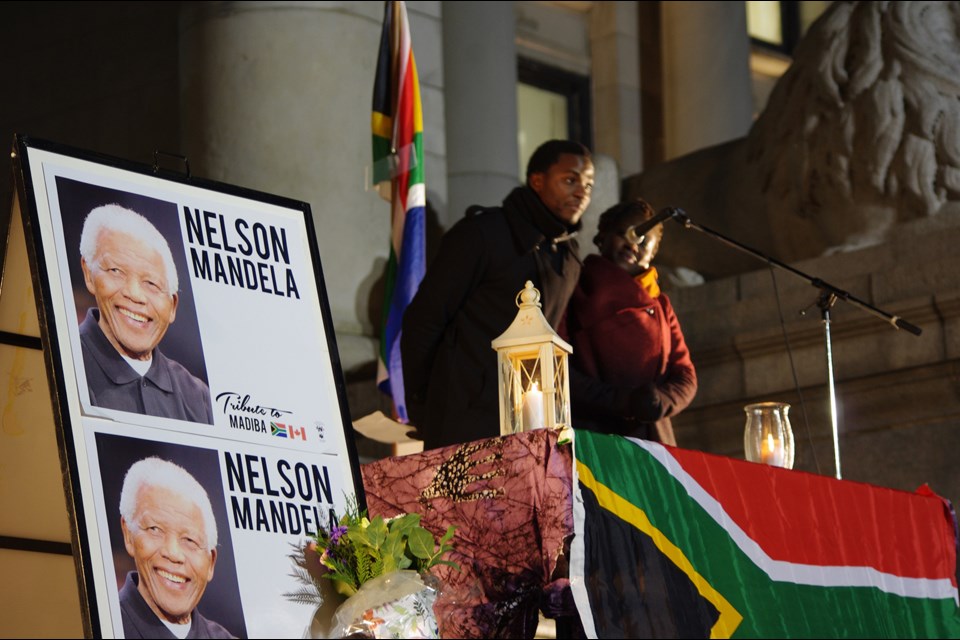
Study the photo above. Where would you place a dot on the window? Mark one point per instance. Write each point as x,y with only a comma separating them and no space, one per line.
775,29
779,25
765,22
551,103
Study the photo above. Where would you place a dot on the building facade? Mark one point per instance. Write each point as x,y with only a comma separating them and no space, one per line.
275,96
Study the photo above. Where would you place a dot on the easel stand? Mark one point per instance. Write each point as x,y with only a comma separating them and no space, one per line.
828,296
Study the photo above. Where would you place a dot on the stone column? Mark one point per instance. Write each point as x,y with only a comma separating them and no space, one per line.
480,99
706,74
276,96
616,84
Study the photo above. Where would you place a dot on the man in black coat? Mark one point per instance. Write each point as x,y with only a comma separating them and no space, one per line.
467,297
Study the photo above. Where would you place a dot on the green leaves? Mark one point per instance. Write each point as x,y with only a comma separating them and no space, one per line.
421,543
393,555
360,549
443,547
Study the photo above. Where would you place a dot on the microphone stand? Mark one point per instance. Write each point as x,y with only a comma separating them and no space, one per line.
829,294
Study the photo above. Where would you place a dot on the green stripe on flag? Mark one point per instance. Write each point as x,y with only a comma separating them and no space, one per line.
416,173
770,608
381,159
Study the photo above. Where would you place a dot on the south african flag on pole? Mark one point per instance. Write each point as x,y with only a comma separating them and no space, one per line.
677,543
397,126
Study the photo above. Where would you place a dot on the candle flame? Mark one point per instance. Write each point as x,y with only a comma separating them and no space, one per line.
772,451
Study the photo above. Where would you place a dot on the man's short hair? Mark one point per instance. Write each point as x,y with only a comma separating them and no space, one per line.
113,217
156,472
548,153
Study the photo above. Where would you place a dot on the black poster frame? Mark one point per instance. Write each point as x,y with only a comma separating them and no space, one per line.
40,223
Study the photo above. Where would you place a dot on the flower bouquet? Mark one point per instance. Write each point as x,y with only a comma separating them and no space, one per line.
382,567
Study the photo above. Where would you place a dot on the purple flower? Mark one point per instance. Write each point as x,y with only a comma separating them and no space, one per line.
337,533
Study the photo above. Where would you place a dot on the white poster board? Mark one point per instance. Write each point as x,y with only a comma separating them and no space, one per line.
243,392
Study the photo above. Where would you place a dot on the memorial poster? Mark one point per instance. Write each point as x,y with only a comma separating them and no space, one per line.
188,338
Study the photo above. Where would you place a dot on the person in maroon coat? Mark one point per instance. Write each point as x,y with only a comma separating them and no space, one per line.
625,333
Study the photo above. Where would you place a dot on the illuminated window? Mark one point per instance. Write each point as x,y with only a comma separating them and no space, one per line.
775,28
551,104
779,25
764,22
542,116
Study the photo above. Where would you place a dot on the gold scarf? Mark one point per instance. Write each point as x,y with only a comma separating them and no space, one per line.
648,280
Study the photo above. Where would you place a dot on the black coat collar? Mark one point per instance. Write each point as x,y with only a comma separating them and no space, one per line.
532,223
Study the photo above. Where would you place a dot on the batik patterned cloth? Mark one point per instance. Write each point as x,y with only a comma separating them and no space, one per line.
511,501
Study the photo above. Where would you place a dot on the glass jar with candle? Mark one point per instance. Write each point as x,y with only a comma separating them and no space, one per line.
767,437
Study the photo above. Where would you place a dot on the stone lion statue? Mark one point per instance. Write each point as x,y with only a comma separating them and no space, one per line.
862,133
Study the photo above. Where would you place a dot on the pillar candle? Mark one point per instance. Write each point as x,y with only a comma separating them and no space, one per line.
771,451
533,408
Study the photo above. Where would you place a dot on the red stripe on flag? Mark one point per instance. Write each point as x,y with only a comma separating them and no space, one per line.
809,519
405,126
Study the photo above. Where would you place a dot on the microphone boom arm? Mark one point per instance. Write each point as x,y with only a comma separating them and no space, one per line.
895,321
829,294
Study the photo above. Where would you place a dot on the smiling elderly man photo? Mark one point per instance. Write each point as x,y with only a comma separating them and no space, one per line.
170,532
128,267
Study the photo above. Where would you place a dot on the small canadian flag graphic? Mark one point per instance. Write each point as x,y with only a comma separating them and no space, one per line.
287,431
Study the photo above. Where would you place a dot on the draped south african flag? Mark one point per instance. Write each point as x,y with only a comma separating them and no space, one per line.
397,126
677,543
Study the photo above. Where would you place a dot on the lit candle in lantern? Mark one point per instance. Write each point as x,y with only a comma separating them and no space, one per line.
771,452
533,408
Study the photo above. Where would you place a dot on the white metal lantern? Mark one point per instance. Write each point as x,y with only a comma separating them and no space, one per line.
533,371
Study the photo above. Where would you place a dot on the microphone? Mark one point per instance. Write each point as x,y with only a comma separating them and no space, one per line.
634,234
